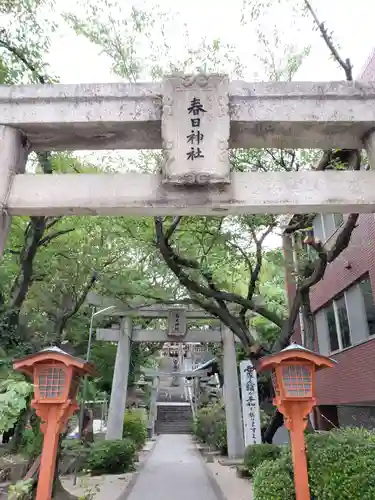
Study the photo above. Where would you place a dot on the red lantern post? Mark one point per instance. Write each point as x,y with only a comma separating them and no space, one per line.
56,376
293,377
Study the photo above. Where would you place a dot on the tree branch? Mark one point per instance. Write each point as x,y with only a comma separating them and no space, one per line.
79,301
346,65
47,239
172,228
352,159
254,273
18,54
210,292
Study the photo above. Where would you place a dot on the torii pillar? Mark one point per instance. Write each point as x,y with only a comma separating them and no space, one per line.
117,405
231,389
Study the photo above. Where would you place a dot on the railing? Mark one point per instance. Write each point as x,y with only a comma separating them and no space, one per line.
191,400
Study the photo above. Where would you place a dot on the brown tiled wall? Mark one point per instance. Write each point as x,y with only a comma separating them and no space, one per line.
360,255
368,72
352,380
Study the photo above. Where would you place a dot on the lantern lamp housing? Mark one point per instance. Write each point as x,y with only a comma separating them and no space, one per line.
56,374
293,372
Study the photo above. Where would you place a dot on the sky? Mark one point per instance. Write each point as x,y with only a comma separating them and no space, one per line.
75,60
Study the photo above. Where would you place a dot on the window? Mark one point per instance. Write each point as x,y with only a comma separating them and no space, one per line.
52,383
365,287
325,225
342,317
338,219
348,320
332,330
297,381
330,223
338,325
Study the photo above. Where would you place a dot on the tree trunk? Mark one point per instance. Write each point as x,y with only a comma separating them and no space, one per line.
308,321
275,424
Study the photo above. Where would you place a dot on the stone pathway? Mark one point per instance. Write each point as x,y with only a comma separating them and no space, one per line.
230,484
173,471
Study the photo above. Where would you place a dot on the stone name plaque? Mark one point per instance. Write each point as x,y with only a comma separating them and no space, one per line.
177,323
195,129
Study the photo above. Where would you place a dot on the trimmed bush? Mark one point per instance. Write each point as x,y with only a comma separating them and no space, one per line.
210,426
342,465
135,427
273,480
258,453
111,457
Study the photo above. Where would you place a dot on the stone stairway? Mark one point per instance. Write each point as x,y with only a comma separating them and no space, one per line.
174,415
174,419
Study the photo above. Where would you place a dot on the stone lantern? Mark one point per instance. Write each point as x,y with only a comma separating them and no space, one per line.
293,377
56,376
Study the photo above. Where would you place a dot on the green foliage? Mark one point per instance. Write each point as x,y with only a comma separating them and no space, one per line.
273,479
259,453
112,457
342,465
73,445
14,394
210,426
32,441
135,427
20,490
265,418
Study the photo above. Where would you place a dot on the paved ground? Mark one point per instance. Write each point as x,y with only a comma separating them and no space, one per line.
105,487
232,486
173,471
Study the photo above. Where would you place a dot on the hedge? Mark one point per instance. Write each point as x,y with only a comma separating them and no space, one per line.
135,427
210,426
111,457
341,467
257,454
273,480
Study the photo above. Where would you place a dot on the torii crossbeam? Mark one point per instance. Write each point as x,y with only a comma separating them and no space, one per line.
195,177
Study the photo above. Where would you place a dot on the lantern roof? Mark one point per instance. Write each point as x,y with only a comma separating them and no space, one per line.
295,352
52,354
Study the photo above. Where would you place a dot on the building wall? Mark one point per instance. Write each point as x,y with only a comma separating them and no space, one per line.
352,380
368,71
360,254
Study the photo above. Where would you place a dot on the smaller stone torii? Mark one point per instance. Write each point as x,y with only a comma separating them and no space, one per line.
125,333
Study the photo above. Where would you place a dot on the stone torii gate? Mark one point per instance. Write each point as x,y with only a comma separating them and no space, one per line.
125,333
194,119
